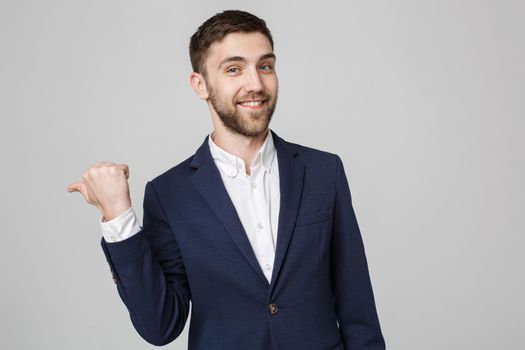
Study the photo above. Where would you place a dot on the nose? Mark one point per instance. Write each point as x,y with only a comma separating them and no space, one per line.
253,81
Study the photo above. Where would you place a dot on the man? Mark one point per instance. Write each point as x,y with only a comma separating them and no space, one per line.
257,232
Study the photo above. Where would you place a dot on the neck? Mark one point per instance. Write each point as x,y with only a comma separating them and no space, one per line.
244,147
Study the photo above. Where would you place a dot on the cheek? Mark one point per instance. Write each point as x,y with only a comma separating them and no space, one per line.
271,83
228,90
223,96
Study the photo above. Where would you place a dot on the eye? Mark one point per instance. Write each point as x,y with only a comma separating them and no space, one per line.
266,67
233,70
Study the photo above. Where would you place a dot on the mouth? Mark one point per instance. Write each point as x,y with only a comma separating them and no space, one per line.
252,104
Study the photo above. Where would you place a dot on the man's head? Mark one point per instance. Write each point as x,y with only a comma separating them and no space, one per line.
234,71
219,26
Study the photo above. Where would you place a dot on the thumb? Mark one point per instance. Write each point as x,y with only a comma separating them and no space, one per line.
80,187
75,187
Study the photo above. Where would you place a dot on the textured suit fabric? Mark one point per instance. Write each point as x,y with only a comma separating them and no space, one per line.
193,247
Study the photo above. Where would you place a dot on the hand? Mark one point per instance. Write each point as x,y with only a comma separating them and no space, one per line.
105,186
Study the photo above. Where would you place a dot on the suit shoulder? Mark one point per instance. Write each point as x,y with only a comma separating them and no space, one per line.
179,173
310,155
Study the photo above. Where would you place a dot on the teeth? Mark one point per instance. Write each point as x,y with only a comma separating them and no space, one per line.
251,103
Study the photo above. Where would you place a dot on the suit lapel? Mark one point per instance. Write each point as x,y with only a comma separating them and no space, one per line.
208,182
291,177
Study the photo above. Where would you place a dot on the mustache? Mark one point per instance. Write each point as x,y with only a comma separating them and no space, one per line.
259,96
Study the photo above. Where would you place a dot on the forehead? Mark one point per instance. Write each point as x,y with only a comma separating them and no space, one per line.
248,45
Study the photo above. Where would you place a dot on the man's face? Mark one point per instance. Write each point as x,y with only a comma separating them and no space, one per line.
242,83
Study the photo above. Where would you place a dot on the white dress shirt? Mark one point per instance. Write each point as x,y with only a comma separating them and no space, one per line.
256,198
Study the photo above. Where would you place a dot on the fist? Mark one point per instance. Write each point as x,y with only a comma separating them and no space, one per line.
105,185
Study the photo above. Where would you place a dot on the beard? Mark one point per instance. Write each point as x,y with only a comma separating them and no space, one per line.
246,123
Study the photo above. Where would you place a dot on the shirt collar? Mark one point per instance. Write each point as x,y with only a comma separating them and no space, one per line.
232,165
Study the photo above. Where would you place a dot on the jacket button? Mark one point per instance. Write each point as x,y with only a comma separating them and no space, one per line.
273,309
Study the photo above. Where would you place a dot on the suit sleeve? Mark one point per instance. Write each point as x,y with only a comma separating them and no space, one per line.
150,275
356,310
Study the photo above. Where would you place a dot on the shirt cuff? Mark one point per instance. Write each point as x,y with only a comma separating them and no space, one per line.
120,228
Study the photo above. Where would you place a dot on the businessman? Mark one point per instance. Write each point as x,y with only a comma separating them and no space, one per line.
257,232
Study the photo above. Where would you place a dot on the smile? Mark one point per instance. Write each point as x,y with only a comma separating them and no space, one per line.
253,104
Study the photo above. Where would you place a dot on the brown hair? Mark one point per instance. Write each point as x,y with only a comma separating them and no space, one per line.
219,26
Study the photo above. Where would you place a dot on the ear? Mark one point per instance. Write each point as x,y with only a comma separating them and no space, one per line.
198,84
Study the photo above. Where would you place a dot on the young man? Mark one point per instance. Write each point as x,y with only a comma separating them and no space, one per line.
257,232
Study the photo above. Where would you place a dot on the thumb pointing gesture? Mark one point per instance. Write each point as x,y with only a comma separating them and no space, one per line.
105,186
80,187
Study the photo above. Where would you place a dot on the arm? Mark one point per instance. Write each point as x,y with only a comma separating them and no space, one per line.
147,266
356,310
120,228
150,275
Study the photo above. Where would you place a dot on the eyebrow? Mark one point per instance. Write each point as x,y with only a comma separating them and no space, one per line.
242,59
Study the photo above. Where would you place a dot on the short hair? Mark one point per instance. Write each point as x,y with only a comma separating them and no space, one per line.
219,26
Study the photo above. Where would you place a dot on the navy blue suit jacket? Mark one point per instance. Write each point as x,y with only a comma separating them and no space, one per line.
192,246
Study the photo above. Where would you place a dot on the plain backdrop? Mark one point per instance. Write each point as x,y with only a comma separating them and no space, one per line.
423,100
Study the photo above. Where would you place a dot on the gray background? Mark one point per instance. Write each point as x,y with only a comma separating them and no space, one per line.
423,101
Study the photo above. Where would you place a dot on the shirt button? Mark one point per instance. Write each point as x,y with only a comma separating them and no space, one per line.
254,185
259,225
273,309
267,267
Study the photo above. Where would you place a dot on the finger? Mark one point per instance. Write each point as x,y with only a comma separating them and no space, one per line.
75,187
124,168
80,187
99,164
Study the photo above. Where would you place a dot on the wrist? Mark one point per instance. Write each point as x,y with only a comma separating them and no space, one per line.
114,213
